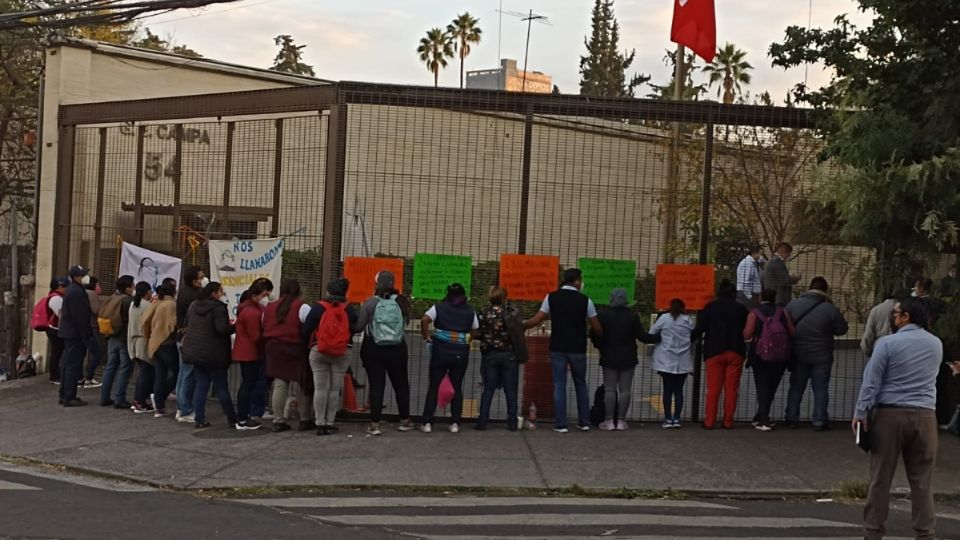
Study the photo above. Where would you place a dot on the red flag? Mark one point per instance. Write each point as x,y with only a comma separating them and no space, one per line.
695,26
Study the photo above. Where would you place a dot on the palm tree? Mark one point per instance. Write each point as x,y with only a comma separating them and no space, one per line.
463,31
434,51
730,68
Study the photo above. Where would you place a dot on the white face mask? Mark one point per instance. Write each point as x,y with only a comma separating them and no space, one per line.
224,299
85,280
264,301
913,293
204,282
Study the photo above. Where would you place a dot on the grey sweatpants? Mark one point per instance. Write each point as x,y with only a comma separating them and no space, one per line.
281,389
328,374
616,391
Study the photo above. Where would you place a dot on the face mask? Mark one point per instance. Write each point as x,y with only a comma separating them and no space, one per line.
85,280
264,301
224,299
204,282
913,292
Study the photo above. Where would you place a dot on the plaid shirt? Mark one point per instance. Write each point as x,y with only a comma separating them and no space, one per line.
748,277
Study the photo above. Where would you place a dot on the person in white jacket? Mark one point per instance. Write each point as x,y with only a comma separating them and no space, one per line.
137,348
672,359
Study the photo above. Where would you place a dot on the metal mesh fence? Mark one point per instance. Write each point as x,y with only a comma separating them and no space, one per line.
482,176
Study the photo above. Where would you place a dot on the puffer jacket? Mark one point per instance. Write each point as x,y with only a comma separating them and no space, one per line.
622,328
206,342
820,321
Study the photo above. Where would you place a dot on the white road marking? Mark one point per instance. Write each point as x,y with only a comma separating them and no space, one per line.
556,520
13,486
70,478
453,502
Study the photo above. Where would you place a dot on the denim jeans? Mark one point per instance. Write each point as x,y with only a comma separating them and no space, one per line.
258,397
204,377
95,352
166,366
578,369
818,375
71,367
499,369
186,386
118,367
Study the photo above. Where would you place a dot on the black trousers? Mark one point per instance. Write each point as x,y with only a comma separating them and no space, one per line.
380,362
945,405
249,375
54,352
766,377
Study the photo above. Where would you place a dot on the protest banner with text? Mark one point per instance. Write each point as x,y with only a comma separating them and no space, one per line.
601,276
433,272
529,277
362,273
692,283
236,264
146,265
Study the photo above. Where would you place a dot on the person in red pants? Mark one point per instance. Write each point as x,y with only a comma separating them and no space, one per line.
722,322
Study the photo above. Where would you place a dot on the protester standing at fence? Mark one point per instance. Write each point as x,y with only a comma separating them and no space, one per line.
897,407
193,282
769,330
328,331
137,347
748,278
115,311
54,304
673,359
722,321
94,347
878,324
286,353
776,275
500,366
159,325
455,323
923,289
622,328
75,330
206,346
817,322
568,308
248,349
383,319
258,396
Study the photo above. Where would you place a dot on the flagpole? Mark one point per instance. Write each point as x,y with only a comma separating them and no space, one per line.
673,152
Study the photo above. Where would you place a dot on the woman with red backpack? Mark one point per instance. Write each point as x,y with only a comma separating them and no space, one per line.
769,329
328,330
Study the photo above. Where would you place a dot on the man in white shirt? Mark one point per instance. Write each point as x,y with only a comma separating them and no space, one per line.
748,279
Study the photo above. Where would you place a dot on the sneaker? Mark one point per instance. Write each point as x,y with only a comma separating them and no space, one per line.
561,430
667,424
140,409
55,383
322,430
621,425
406,425
308,425
186,418
249,425
454,428
607,425
267,416
583,428
675,424
280,426
92,383
75,402
121,405
426,428
332,429
759,426
374,429
159,414
151,402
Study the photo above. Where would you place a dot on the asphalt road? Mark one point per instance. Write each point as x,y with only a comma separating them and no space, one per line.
38,504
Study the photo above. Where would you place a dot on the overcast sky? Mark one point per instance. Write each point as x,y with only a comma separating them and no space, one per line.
375,40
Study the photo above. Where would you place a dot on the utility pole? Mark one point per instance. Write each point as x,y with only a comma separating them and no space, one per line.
529,18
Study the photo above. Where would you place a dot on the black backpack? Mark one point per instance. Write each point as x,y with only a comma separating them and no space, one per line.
599,410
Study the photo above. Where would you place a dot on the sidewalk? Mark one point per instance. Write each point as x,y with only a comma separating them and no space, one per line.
160,451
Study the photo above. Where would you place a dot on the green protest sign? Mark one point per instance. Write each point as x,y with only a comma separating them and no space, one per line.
600,276
433,272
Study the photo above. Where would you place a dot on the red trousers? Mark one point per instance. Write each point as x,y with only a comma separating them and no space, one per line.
723,374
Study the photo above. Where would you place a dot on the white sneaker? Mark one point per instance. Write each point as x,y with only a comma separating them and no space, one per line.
374,428
583,428
621,425
607,425
92,383
426,428
667,424
186,419
454,428
561,430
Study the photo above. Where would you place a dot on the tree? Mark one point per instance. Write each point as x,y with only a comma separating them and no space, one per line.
289,58
149,40
463,31
434,51
730,69
603,70
691,91
891,125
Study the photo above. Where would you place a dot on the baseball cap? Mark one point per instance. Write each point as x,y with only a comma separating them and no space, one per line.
77,271
58,282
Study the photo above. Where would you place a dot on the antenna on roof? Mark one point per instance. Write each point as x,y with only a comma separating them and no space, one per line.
529,17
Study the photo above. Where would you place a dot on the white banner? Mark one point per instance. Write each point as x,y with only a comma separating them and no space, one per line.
149,266
235,264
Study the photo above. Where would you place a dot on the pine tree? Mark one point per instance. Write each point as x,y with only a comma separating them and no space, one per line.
289,58
603,70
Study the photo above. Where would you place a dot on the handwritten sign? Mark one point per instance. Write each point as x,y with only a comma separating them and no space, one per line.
362,273
529,277
692,283
433,272
601,276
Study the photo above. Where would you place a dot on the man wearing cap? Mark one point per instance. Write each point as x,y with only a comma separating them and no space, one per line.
748,279
76,327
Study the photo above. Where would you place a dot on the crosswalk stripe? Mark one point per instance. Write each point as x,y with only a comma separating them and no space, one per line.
453,502
554,520
13,486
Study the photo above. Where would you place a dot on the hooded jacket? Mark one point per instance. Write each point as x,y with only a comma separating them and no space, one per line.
206,342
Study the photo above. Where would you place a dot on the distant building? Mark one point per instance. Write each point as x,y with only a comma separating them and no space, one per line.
508,77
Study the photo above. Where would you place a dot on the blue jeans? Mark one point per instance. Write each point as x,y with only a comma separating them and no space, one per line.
118,366
186,386
818,375
258,398
578,369
203,378
500,369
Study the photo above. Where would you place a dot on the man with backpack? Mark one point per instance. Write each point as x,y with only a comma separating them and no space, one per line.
46,319
112,322
817,322
76,328
329,326
769,329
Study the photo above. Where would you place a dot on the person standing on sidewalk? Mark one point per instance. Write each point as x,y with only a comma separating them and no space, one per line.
878,324
899,389
76,328
193,283
383,319
500,366
58,287
159,325
722,321
817,322
248,349
777,277
116,309
137,348
748,279
768,353
94,346
328,329
286,352
568,309
673,359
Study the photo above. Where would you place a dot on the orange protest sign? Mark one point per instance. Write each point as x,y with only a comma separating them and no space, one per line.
692,283
362,273
529,277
